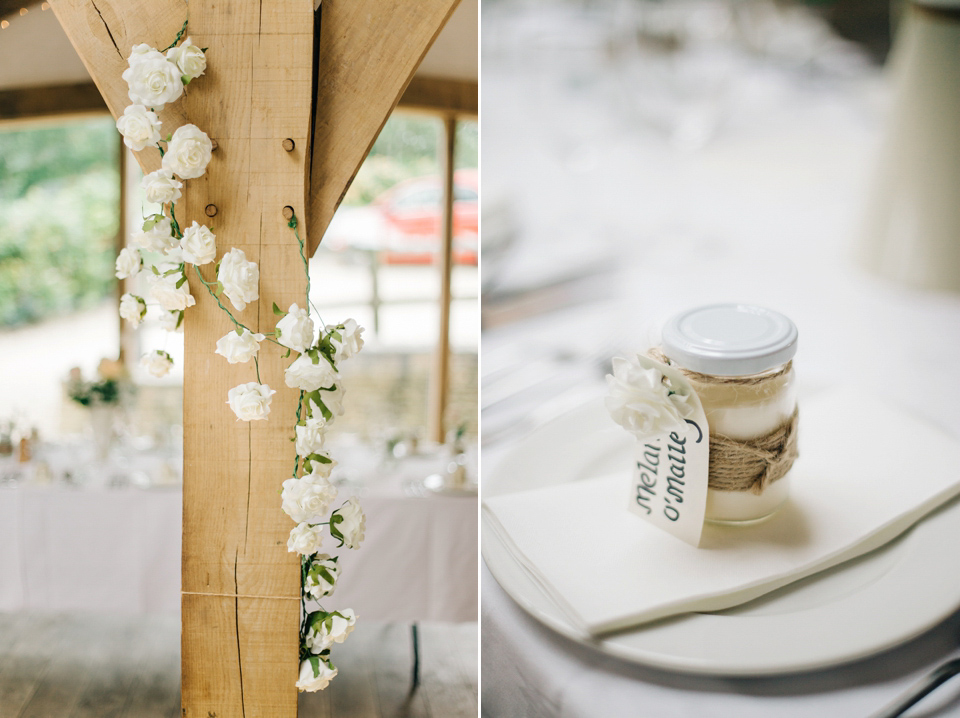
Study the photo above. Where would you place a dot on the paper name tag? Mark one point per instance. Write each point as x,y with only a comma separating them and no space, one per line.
671,469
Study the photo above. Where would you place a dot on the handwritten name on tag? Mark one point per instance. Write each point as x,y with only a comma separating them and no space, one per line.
671,470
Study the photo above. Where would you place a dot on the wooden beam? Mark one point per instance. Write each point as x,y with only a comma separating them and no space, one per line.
27,103
369,50
437,94
440,381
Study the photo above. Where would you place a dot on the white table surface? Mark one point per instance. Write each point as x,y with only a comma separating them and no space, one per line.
83,548
765,212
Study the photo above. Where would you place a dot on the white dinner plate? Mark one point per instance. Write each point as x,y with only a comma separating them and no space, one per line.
848,612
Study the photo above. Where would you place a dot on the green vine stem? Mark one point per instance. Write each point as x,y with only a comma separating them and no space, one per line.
179,35
236,323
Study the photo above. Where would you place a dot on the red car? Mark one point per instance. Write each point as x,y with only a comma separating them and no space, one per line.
412,214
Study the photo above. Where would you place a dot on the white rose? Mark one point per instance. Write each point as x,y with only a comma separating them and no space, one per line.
141,52
160,187
296,329
325,629
140,127
639,401
321,577
132,308
348,523
350,341
189,59
172,321
333,400
315,675
305,539
250,401
240,278
157,363
239,348
321,468
308,497
310,436
199,244
188,152
306,375
152,81
158,238
168,295
128,263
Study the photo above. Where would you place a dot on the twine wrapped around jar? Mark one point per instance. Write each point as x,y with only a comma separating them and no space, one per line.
745,464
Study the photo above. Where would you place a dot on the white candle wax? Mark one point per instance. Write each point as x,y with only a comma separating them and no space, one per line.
745,412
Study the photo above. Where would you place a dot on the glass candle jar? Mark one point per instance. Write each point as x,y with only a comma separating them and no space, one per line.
738,359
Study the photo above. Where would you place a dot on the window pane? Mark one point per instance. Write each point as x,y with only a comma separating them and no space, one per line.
58,222
379,264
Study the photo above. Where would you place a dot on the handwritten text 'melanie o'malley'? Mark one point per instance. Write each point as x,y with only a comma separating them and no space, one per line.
673,472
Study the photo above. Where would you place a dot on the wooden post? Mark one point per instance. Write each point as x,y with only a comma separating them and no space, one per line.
120,240
238,653
441,376
240,607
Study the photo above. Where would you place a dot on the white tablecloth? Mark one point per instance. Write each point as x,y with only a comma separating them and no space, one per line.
118,550
765,211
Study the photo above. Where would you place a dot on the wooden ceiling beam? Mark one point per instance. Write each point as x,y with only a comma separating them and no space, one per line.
29,103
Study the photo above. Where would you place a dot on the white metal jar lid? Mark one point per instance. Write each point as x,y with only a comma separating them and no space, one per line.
729,339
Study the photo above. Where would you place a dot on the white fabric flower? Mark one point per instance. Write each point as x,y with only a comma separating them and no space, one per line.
152,80
321,468
140,52
315,677
140,127
128,263
160,187
350,341
164,290
321,578
199,244
310,436
132,308
250,401
239,348
640,402
333,400
172,321
157,362
325,629
308,497
240,278
305,539
158,238
188,58
296,329
303,374
188,152
348,523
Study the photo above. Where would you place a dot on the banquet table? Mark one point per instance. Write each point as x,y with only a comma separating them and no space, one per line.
69,547
764,209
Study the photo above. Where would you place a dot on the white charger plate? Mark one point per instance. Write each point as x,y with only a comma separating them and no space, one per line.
851,611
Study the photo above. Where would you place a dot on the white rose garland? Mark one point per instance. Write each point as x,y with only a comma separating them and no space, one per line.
153,80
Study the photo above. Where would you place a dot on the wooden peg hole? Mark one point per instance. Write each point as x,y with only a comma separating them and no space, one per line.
213,145
210,210
288,144
288,213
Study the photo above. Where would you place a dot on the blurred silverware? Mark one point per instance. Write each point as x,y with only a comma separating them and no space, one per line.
929,683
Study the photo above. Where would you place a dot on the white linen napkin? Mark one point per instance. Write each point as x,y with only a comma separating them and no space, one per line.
866,473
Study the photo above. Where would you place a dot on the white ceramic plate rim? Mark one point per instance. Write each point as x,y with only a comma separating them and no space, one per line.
910,592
